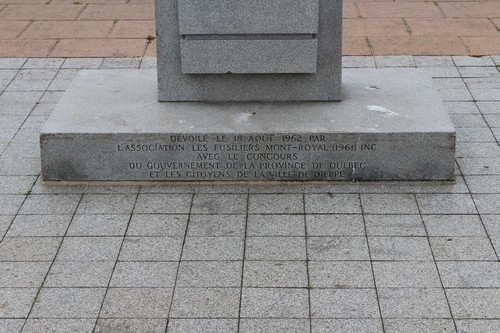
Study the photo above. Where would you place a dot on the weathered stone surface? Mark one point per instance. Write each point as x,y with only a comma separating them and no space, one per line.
109,126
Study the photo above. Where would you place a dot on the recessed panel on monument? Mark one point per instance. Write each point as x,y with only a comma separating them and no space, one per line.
249,50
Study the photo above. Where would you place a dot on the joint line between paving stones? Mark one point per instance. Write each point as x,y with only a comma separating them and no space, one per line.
435,264
371,263
52,262
243,259
309,286
179,261
116,262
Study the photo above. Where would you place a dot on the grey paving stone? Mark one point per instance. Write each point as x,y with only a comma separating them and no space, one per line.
487,203
50,204
12,62
136,303
347,325
477,149
333,203
39,225
216,225
70,303
454,225
10,204
81,63
144,274
489,107
409,274
420,325
337,248
344,303
21,167
99,225
23,274
276,204
400,248
275,274
79,274
6,75
437,61
219,204
121,62
110,189
274,325
340,274
59,325
148,62
106,204
492,225
484,184
275,248
479,166
468,72
462,248
208,274
203,325
51,97
163,203
413,303
474,303
335,225
446,204
493,120
5,221
394,61
213,248
470,274
151,249
11,325
358,62
16,302
205,303
89,248
468,121
16,184
29,248
442,72
276,225
474,135
29,149
274,303
157,225
43,63
462,61
394,225
478,326
389,204
131,325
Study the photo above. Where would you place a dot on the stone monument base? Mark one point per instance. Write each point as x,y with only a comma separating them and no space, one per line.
109,126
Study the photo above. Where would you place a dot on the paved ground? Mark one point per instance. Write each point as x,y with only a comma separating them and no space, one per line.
302,257
125,28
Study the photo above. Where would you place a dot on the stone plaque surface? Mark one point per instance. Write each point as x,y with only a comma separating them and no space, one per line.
109,126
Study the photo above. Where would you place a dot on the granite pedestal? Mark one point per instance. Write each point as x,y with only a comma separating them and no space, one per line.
109,126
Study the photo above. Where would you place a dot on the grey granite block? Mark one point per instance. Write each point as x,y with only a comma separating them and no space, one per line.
275,274
433,61
358,62
136,303
99,225
59,325
216,225
400,248
470,274
39,225
12,62
474,303
389,204
344,303
16,302
106,204
157,225
213,248
50,204
151,249
29,248
131,325
276,225
209,274
275,248
487,203
219,204
274,325
10,204
394,225
89,248
337,248
121,63
144,274
80,63
419,325
474,135
406,274
205,303
454,225
68,303
43,63
446,204
462,61
332,203
274,303
395,61
275,204
11,325
163,203
79,274
477,325
203,325
340,274
346,325
462,248
23,274
413,303
483,183
335,225
337,140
